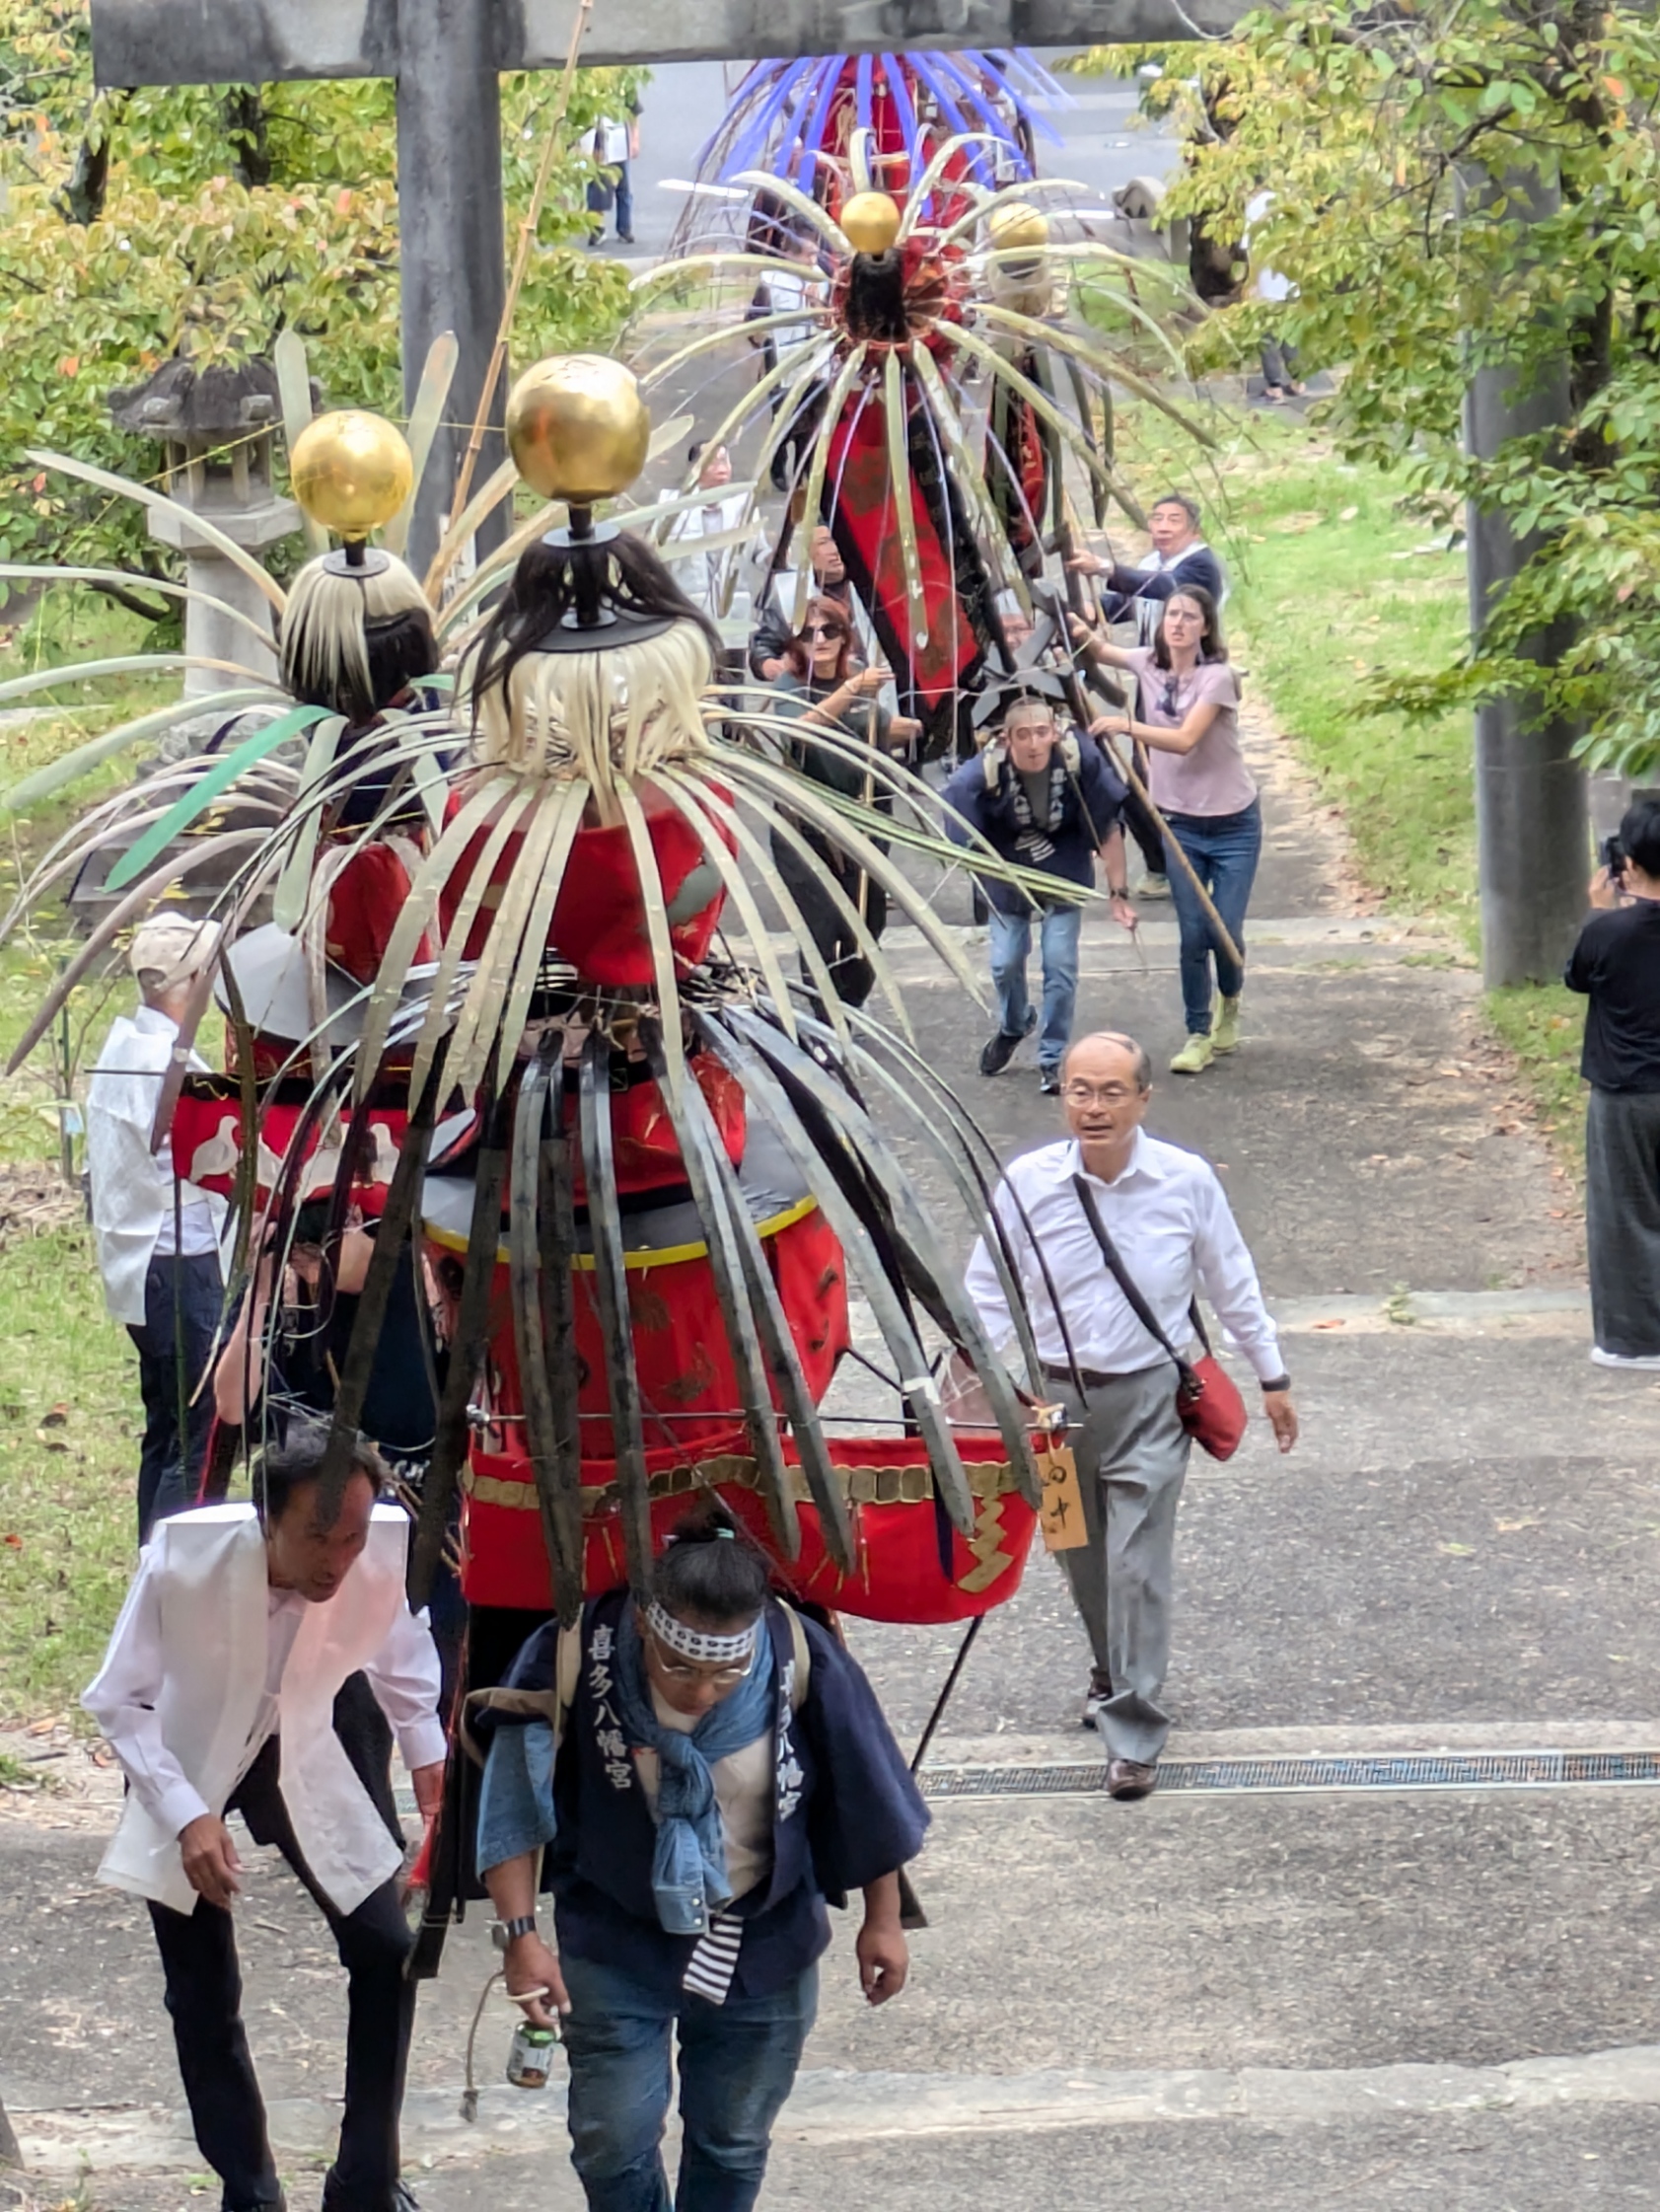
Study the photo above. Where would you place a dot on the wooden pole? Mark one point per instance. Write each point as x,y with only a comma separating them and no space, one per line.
1219,927
521,260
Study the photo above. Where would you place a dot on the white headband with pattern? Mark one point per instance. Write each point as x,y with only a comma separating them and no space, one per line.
694,1644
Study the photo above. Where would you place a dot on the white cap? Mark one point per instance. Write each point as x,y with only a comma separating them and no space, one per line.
170,948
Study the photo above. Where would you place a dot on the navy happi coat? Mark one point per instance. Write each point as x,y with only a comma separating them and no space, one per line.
845,1809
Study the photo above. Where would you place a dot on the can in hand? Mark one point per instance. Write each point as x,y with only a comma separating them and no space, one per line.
530,2059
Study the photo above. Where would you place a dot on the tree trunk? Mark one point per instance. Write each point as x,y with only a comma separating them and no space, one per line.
80,197
1531,831
248,127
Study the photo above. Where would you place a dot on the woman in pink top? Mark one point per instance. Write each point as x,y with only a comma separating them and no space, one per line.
1188,717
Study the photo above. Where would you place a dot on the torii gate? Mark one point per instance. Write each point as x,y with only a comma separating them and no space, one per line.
447,57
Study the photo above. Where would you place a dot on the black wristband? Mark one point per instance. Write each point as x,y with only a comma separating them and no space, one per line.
1280,1382
523,1925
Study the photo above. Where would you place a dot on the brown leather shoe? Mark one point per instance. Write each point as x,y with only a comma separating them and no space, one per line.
1128,1777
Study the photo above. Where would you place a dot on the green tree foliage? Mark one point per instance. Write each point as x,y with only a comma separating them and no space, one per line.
206,220
1408,149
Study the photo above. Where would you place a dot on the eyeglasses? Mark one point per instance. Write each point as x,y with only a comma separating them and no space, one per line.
1106,1094
1169,699
817,630
688,1671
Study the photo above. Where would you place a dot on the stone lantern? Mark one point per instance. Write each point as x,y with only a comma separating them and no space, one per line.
215,427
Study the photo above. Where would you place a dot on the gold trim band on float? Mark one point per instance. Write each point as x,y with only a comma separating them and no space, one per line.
860,1486
671,1255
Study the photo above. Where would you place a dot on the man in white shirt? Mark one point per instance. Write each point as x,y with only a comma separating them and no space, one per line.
158,1243
1165,1210
701,576
613,142
215,1694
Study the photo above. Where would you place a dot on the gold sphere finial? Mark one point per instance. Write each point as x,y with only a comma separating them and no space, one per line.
870,222
1018,225
578,428
350,471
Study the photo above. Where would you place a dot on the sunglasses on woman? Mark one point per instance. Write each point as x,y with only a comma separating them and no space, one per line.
817,630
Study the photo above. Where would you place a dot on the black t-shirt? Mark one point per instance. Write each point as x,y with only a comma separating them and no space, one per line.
1616,963
400,1414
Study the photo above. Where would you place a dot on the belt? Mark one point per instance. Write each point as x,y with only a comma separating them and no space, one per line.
1090,1377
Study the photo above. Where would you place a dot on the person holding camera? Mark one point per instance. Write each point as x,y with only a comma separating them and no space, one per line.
1616,965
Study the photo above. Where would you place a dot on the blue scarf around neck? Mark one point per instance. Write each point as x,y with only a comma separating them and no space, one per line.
688,1878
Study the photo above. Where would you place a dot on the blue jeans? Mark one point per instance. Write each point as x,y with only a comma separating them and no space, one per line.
1011,942
1224,850
600,200
737,2063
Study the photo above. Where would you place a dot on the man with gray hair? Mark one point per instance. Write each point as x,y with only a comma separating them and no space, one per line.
157,1239
1177,559
1164,1211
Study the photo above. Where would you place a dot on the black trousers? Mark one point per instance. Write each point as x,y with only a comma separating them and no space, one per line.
850,971
181,1300
204,1999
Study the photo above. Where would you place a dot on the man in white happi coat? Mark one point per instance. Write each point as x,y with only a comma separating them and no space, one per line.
216,1694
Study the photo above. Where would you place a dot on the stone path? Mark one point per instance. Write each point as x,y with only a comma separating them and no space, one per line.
1357,1998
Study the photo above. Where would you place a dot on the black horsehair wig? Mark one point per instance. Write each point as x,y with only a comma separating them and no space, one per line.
351,642
544,591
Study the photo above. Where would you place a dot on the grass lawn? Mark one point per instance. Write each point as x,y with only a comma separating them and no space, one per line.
70,1418
1329,583
69,1431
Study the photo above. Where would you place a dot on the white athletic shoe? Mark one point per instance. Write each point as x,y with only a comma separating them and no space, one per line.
1649,1363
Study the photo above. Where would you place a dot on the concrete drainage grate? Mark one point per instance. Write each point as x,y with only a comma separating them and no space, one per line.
1418,1770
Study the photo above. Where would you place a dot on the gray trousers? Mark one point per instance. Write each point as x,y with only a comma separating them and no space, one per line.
1132,1452
1622,1219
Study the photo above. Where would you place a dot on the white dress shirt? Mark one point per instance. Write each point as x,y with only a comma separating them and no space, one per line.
403,1675
132,1186
1169,1219
700,574
1149,613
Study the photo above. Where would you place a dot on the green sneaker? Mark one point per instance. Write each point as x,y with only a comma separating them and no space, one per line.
1194,1057
1224,1026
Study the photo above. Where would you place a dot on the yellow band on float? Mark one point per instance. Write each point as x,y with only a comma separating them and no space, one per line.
671,1255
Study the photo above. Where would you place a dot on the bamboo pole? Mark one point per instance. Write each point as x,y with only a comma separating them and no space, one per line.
521,259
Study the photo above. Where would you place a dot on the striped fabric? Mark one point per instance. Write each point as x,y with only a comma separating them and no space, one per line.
714,1958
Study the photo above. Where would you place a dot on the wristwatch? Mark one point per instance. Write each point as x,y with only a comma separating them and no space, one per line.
1278,1382
523,1925
1118,891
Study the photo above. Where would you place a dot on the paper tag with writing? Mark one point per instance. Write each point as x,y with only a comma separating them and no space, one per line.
1061,1513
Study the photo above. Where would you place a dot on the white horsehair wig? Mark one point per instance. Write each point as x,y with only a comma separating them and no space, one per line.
614,712
323,646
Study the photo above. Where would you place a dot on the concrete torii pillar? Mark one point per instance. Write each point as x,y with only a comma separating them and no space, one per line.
447,57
